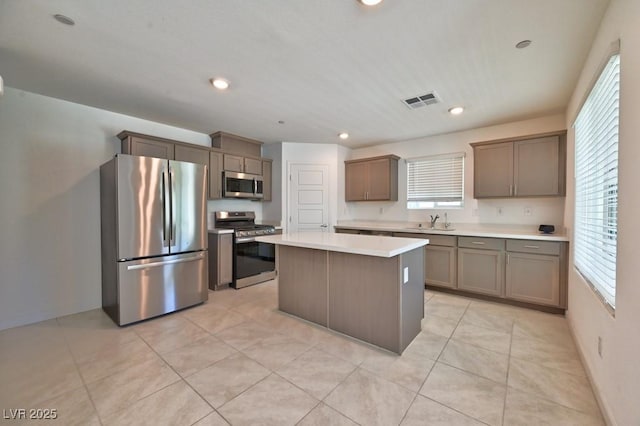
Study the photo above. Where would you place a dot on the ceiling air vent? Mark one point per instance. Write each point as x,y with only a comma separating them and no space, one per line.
420,101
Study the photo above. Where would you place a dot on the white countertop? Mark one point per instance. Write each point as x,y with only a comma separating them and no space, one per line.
369,245
520,232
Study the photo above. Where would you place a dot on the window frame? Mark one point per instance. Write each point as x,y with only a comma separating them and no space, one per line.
424,204
593,257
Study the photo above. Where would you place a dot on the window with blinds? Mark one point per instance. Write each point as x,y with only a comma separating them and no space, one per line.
596,177
435,181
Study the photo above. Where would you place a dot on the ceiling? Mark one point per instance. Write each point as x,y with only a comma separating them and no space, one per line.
321,66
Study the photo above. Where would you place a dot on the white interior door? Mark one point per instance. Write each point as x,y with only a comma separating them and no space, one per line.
308,197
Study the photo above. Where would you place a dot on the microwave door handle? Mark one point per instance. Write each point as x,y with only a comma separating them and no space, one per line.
255,186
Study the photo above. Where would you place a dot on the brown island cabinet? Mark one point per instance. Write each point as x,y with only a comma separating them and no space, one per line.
367,287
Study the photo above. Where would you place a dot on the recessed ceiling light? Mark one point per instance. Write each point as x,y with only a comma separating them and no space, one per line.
522,44
64,19
343,135
370,2
220,83
456,110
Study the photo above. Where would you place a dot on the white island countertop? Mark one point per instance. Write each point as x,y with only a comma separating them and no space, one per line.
368,245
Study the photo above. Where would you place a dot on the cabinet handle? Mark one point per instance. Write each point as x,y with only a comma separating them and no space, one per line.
508,257
532,247
510,190
515,190
480,243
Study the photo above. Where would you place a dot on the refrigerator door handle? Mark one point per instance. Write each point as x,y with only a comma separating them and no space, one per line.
165,220
172,179
167,262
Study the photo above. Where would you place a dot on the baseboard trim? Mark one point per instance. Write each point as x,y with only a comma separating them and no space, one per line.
604,407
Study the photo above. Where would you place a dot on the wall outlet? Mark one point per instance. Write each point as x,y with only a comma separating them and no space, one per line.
499,211
600,346
475,213
381,210
528,211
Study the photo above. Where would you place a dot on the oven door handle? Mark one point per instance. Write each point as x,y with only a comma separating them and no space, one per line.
245,240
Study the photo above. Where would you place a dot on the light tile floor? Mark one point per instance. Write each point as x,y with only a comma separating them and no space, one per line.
237,360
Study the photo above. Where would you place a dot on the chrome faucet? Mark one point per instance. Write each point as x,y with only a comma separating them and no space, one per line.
433,221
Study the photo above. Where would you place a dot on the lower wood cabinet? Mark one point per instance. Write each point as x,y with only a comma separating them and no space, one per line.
220,260
481,271
530,271
440,266
533,278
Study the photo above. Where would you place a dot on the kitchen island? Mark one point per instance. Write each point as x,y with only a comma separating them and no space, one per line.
367,287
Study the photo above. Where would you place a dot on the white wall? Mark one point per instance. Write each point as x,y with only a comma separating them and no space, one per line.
616,374
49,214
544,210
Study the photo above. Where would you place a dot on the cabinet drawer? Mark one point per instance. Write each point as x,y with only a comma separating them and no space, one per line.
442,240
481,243
534,246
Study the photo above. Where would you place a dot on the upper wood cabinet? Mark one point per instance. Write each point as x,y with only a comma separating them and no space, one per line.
192,154
532,166
215,160
266,180
236,163
234,144
146,146
215,175
372,179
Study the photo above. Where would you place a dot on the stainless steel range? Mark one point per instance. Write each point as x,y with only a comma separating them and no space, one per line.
253,262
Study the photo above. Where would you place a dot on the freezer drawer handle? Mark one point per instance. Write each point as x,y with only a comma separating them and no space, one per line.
168,262
480,243
532,247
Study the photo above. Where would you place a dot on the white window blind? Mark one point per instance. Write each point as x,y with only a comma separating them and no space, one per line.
596,175
436,178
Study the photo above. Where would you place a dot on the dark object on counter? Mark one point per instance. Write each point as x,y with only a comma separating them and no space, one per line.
547,229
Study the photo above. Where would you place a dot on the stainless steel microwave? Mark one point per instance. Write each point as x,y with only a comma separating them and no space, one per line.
242,185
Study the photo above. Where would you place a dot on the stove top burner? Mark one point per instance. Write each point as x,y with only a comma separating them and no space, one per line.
242,223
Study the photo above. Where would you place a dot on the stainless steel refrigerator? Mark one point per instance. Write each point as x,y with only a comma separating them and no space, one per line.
154,236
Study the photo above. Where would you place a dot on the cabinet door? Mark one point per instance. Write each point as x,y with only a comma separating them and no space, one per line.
266,180
493,170
356,181
379,187
440,264
253,166
233,163
480,271
215,175
533,278
151,148
537,167
192,154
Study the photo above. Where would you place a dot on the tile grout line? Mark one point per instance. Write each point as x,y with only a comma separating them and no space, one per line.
84,383
457,368
506,389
